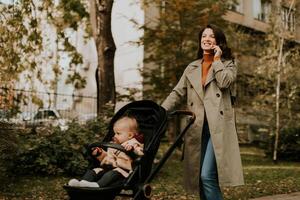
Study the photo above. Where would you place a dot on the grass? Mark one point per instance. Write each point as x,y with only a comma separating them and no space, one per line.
262,178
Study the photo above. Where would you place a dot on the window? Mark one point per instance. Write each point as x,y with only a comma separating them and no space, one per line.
163,6
237,6
261,10
265,12
256,8
288,19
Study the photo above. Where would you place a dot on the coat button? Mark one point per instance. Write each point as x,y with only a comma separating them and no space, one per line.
221,112
192,104
218,95
191,86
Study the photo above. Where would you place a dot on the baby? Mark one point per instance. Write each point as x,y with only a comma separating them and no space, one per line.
115,165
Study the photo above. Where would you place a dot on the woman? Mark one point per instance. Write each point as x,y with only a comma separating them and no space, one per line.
211,151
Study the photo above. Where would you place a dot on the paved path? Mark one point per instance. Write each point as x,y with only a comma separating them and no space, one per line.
292,196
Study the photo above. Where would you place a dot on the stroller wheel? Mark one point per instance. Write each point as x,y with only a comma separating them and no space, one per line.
143,193
147,191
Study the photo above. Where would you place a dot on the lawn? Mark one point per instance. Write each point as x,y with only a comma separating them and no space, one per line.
261,175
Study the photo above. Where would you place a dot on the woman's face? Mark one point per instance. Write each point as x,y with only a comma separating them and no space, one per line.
208,40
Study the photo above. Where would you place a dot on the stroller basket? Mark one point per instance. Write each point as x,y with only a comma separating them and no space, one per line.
152,120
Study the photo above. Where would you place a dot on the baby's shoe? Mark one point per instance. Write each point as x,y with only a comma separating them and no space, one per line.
74,182
84,183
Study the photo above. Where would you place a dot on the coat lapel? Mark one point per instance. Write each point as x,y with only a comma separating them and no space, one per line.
210,75
194,76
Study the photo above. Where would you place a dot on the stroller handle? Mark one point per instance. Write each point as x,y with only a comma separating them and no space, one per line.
114,146
184,112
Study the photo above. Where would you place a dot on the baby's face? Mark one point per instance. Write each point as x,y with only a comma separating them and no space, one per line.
123,132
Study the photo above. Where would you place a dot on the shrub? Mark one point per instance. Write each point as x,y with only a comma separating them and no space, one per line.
288,146
8,150
59,151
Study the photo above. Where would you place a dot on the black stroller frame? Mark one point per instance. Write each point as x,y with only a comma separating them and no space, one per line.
152,120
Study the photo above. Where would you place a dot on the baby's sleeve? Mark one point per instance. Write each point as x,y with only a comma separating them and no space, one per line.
137,147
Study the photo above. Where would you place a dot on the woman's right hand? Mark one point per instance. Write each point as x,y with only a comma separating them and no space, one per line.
217,51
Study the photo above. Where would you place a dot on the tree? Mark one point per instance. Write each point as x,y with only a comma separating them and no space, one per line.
281,54
280,61
24,46
170,41
106,92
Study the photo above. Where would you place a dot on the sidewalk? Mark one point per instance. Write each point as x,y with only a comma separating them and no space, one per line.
292,196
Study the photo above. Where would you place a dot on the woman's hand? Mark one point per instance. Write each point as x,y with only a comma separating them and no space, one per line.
217,51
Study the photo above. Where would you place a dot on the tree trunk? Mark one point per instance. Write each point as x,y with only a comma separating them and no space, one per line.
279,61
106,52
277,130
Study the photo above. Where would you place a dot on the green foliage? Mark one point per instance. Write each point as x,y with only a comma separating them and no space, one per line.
267,68
73,10
262,178
8,149
289,145
176,41
59,151
24,30
19,41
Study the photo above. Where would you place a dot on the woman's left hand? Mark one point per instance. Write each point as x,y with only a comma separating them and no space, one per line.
217,51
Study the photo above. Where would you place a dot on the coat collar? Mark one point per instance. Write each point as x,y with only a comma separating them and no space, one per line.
194,76
198,71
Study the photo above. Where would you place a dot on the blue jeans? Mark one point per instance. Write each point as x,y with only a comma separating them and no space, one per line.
209,185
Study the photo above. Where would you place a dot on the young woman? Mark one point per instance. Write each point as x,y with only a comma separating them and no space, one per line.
211,150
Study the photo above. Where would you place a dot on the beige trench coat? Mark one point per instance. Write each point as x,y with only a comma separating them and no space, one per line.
215,101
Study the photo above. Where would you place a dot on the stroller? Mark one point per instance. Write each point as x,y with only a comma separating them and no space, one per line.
152,120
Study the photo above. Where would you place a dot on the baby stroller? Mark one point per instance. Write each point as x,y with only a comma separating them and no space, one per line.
152,120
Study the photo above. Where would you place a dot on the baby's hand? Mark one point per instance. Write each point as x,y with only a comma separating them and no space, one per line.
96,151
128,147
110,161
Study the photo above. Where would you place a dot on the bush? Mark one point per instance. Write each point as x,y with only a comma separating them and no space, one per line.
288,146
8,150
59,151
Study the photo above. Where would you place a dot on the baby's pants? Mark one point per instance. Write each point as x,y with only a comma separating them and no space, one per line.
209,185
104,178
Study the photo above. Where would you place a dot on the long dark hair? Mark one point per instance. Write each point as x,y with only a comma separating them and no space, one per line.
220,40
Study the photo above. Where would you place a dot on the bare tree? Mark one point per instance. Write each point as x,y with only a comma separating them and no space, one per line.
278,71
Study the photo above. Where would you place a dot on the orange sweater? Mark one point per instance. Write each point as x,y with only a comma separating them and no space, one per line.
206,64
